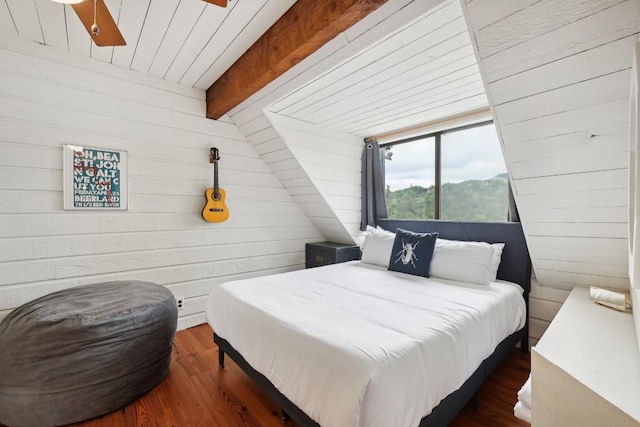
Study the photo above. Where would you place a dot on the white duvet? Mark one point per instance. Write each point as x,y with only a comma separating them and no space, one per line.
353,344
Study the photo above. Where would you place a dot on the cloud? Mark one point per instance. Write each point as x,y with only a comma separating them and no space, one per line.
470,154
412,163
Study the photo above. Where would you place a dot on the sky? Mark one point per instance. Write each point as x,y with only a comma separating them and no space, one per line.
469,154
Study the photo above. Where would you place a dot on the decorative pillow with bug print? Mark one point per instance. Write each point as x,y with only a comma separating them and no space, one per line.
412,252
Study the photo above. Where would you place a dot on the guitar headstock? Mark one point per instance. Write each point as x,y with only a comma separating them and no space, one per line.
214,155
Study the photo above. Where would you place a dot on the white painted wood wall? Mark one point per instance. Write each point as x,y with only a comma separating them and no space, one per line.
307,84
332,164
269,143
557,76
49,98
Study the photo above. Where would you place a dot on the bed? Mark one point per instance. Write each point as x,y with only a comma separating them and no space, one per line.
289,333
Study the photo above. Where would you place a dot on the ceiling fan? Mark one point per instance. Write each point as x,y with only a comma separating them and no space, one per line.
99,23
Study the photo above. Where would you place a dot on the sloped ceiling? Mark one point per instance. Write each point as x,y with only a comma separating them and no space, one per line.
558,77
186,41
420,72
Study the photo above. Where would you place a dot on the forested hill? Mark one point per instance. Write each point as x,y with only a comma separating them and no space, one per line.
473,200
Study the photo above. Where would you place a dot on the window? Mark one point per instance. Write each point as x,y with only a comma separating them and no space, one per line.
455,175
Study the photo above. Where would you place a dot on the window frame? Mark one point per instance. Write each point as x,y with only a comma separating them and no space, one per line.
437,157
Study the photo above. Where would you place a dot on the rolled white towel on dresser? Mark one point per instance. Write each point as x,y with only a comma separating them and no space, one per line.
611,299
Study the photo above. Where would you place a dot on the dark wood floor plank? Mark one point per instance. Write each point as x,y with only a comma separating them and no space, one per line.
197,393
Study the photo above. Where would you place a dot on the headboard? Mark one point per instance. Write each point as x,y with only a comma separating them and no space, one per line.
515,265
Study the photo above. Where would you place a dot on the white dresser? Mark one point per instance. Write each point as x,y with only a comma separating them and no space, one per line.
586,368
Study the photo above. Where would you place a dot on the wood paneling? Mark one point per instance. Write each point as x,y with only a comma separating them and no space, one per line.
306,157
26,20
535,20
48,100
6,21
196,392
557,77
331,160
598,29
379,25
189,42
421,71
302,30
297,123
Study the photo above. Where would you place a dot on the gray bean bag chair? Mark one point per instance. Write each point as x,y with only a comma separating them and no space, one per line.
84,352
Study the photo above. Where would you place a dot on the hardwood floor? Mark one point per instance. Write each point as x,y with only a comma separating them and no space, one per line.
196,393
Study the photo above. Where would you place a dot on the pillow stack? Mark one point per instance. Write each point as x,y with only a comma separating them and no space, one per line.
426,255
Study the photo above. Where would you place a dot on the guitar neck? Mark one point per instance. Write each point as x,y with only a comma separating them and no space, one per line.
216,188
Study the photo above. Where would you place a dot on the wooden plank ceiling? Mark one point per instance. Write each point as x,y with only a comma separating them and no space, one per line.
421,72
186,41
302,30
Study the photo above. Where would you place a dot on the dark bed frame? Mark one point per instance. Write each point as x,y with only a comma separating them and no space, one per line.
514,267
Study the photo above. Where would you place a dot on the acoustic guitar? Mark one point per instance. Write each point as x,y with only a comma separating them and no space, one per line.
215,210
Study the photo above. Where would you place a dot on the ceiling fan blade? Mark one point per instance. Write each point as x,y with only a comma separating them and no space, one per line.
109,34
221,3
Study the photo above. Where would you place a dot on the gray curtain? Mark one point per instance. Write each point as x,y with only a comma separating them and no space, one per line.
512,214
373,203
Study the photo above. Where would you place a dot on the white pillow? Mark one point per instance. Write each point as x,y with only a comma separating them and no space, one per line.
495,262
469,262
377,248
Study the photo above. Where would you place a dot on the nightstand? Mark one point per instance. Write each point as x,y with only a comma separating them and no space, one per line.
325,253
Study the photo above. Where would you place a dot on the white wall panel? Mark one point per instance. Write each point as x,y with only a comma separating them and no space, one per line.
598,29
595,91
594,140
557,77
582,66
332,162
485,12
537,19
49,100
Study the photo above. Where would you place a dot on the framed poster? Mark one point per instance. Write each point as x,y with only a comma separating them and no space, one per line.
94,178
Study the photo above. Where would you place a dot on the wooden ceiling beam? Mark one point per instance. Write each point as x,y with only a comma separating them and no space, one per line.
302,30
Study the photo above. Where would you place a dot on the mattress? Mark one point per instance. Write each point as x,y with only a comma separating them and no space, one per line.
356,345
